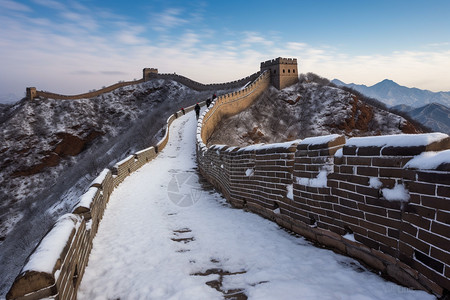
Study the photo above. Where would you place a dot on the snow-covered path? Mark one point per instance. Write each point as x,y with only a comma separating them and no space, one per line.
165,236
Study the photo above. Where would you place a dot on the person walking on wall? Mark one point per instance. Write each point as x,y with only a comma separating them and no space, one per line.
208,102
197,110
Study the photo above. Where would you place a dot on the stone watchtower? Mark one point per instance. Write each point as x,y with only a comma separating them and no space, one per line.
283,71
149,73
31,93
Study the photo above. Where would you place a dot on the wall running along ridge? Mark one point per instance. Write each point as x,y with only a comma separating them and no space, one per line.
33,93
363,197
56,266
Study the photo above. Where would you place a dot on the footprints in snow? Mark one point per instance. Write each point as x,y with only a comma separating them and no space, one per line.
185,236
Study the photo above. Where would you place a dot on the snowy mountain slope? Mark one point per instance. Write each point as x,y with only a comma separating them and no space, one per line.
393,94
307,109
51,149
435,116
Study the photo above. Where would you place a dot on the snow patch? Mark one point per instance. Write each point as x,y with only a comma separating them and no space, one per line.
397,193
318,140
349,236
397,140
290,191
86,198
429,160
319,181
374,182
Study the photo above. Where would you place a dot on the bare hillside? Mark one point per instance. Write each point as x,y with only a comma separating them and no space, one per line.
307,109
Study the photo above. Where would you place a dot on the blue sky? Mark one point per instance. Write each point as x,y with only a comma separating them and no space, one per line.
75,46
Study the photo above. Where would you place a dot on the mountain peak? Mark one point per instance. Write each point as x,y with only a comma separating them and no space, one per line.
387,82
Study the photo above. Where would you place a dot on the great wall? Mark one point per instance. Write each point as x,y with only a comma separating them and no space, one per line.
330,190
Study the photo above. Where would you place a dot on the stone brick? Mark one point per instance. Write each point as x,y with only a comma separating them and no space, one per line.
349,220
430,262
421,188
382,239
443,216
383,221
373,227
436,202
369,151
368,171
347,186
367,191
349,150
390,172
414,242
420,210
440,255
393,162
349,211
431,285
417,220
377,210
403,277
403,151
359,179
359,161
408,228
331,242
367,241
432,177
366,257
443,191
432,238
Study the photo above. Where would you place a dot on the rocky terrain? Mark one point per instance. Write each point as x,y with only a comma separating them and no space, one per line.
308,109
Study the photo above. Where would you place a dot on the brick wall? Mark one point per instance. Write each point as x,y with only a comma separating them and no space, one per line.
85,95
56,266
362,197
204,87
32,92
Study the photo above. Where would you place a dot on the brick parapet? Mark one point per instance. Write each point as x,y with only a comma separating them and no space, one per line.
405,238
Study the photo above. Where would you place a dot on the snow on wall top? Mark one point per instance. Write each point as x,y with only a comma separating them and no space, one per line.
49,249
123,161
429,160
318,140
399,140
86,198
99,180
285,145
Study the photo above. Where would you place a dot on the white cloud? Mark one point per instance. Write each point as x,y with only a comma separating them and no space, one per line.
168,19
12,5
255,38
51,4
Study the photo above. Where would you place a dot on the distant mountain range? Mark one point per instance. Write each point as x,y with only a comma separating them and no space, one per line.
426,107
393,94
435,116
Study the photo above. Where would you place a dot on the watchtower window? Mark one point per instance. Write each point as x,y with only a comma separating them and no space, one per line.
293,71
284,70
289,70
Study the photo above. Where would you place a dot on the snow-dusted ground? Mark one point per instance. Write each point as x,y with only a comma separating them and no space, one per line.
165,237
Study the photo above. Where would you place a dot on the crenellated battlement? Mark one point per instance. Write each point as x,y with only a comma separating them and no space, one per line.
277,61
283,71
